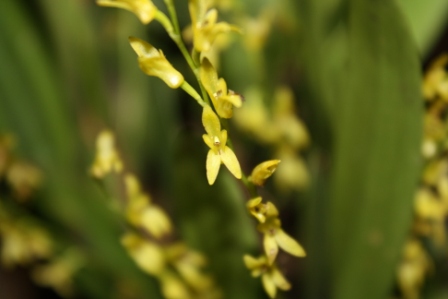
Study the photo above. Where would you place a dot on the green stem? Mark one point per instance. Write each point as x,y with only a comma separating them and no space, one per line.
193,93
172,11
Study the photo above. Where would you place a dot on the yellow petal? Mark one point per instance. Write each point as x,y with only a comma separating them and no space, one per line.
269,285
212,166
143,9
279,280
155,221
153,63
209,77
288,244
231,162
270,247
211,122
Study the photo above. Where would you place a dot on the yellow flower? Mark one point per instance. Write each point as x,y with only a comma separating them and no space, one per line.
260,210
271,277
223,99
435,82
107,158
413,268
188,264
147,255
219,152
205,28
24,178
275,237
263,171
292,174
140,212
143,9
153,63
59,272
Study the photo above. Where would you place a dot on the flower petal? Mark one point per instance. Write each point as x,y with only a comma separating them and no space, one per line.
231,162
211,122
145,10
270,247
279,280
269,285
288,244
209,77
212,166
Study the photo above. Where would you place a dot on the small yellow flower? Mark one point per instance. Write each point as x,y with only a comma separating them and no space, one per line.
275,237
188,264
263,171
219,152
292,174
107,158
140,212
143,9
435,82
24,178
271,277
205,28
413,268
153,63
260,210
147,255
59,272
223,100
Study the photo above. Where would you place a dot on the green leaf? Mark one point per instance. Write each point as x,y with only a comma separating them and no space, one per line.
427,20
376,154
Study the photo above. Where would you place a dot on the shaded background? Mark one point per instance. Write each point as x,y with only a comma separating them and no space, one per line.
67,71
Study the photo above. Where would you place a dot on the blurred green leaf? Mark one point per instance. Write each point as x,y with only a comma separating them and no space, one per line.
378,134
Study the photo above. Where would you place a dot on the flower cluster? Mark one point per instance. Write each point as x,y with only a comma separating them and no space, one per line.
218,103
149,239
269,224
25,241
431,198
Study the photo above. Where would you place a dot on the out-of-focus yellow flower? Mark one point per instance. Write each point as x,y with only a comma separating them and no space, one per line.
253,117
219,152
435,82
275,237
263,171
223,100
413,269
153,63
189,263
292,173
261,210
428,206
173,287
23,242
257,30
140,212
145,10
24,178
58,274
205,27
290,127
147,255
271,277
107,158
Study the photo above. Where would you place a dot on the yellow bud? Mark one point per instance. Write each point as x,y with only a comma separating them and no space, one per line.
263,171
143,9
153,63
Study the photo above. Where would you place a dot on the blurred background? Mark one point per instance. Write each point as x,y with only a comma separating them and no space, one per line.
351,73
